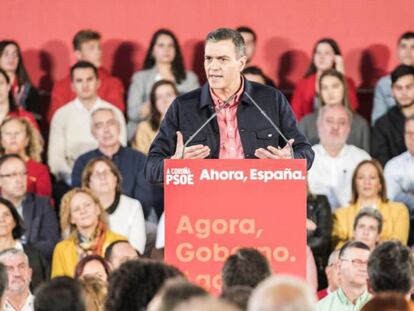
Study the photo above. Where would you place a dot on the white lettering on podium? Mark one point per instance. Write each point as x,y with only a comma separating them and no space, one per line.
212,174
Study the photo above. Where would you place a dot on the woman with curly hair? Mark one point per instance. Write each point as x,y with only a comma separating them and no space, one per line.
18,136
83,224
163,61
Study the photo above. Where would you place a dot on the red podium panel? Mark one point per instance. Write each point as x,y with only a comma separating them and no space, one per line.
213,207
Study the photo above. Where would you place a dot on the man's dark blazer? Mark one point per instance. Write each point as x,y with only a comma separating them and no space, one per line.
189,111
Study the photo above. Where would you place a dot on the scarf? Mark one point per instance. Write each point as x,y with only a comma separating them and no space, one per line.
93,245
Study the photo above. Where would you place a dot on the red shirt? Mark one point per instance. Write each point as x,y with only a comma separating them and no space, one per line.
304,94
230,142
111,90
38,178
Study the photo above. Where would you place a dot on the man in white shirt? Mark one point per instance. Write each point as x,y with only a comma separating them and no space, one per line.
335,161
18,296
399,171
70,134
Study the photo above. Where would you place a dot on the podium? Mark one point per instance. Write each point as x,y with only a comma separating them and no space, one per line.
214,207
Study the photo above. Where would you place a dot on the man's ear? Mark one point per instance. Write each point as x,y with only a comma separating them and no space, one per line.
78,55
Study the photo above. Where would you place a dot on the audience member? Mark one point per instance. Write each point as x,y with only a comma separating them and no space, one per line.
163,61
18,295
125,214
94,266
250,41
119,252
19,136
87,47
24,93
11,232
352,293
205,304
60,294
162,94
106,129
83,224
387,139
368,226
246,267
391,268
94,291
4,281
369,189
334,159
282,293
326,55
134,284
318,228
333,91
8,105
332,275
311,270
255,74
70,134
237,295
42,230
383,95
173,292
387,302
399,171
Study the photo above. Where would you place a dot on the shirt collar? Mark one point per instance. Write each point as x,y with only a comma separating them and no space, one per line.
218,102
345,301
118,152
96,105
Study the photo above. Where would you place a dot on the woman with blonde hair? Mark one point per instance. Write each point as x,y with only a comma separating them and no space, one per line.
19,136
83,224
369,189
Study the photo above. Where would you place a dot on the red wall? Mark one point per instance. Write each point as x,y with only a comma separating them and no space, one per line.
366,30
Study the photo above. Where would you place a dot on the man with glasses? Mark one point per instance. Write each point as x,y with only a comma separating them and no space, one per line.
352,293
42,230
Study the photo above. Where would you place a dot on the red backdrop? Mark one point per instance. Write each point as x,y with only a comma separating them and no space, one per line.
366,30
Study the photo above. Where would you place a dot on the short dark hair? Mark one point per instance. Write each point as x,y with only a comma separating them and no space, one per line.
400,71
4,279
6,157
177,290
110,248
352,244
19,228
221,34
406,36
391,268
247,267
135,283
237,295
85,260
370,212
387,302
84,36
83,64
247,30
60,294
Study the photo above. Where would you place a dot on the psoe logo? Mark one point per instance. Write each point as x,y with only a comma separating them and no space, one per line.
179,176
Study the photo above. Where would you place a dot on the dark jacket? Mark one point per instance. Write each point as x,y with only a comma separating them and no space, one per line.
40,266
387,136
42,230
189,111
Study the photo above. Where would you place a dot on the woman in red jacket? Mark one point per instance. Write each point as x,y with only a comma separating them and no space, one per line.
326,55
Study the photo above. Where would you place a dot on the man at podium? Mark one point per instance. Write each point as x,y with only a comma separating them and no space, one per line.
229,117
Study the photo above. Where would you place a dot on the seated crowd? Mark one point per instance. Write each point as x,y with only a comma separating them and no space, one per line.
86,230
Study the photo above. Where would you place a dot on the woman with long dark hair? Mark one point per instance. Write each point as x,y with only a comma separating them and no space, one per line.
162,95
163,61
11,61
326,55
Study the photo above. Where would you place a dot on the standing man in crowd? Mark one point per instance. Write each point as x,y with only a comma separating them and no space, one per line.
240,130
250,41
383,97
87,47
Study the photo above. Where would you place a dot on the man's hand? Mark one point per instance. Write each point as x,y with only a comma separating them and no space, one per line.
275,153
193,152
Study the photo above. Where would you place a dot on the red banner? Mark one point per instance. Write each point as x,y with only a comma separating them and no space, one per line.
214,207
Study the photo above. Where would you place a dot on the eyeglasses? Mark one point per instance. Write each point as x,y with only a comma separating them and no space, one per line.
104,174
356,262
14,175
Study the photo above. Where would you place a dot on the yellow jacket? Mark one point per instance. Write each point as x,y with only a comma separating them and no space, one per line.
65,257
396,222
144,136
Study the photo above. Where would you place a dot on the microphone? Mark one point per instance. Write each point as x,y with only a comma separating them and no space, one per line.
220,108
272,123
